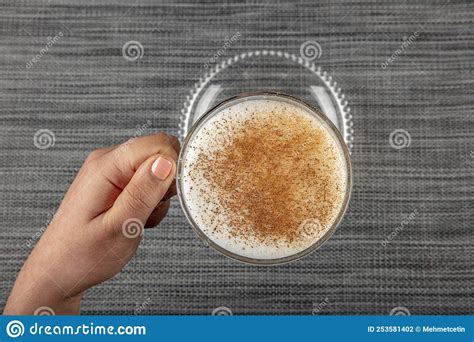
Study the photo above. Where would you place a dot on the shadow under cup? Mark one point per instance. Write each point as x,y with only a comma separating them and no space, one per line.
285,99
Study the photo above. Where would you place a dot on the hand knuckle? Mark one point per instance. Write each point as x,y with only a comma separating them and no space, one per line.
162,135
93,155
137,199
162,138
126,144
176,141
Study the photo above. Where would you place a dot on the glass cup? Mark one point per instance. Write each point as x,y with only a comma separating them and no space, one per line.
329,126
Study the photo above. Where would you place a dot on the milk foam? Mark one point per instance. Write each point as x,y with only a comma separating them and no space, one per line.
209,137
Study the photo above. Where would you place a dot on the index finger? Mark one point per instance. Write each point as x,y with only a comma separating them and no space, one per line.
109,173
128,156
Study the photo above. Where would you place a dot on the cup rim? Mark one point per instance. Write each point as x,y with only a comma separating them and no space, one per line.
255,261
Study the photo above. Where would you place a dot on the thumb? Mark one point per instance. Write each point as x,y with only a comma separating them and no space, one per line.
141,195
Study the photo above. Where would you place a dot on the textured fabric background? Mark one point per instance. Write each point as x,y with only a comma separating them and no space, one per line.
88,95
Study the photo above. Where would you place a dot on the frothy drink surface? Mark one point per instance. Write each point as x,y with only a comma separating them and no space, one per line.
264,179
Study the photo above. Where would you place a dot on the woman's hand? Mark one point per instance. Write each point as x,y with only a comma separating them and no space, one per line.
98,226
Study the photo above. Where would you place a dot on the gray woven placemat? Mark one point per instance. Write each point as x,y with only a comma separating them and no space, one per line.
406,243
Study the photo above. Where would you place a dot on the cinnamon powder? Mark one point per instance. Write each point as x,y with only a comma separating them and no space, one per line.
272,172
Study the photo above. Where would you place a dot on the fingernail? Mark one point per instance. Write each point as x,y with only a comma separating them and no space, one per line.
161,168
